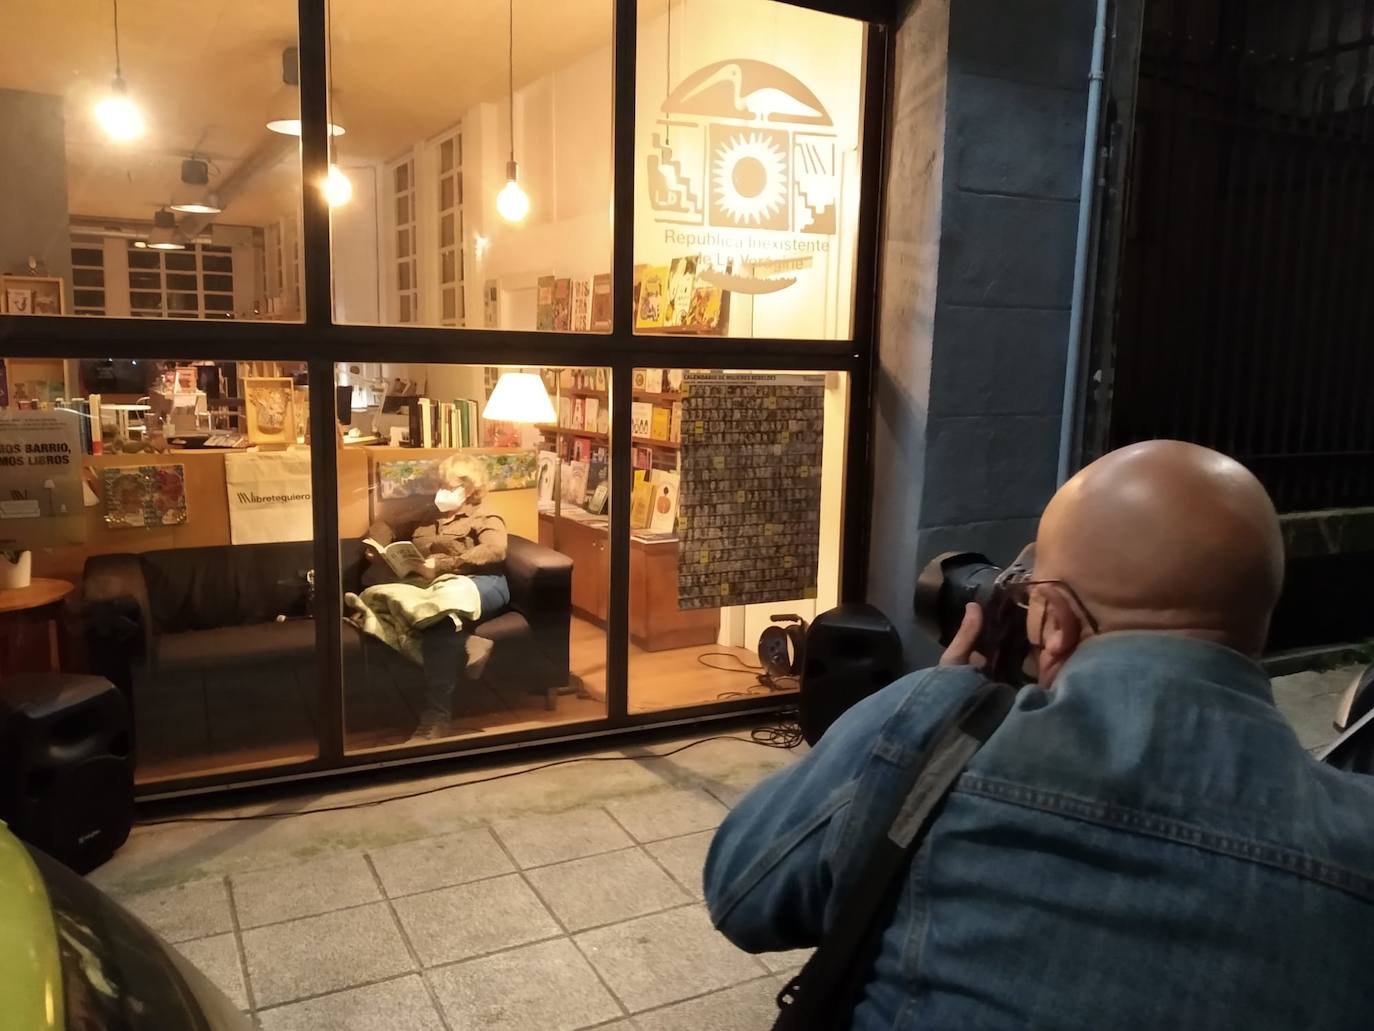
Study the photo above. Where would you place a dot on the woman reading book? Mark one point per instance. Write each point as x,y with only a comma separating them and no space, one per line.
464,539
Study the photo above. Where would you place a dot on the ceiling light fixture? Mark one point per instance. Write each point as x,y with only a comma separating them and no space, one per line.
196,173
512,202
338,189
117,114
164,236
289,104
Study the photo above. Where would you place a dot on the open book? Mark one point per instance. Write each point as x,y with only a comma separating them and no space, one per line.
402,556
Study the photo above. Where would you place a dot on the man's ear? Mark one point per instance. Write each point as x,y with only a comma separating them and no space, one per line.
1062,629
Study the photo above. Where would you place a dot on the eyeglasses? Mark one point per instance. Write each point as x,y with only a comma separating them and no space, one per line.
1018,578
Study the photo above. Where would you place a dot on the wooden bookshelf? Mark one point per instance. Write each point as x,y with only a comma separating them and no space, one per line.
666,396
604,438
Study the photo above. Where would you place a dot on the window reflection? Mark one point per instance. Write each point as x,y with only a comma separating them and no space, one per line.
131,188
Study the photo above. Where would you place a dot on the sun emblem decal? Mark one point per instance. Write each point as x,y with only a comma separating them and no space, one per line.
749,176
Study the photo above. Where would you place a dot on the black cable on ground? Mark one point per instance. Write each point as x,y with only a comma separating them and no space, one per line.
773,736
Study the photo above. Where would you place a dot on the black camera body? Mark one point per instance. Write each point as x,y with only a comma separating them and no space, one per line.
952,580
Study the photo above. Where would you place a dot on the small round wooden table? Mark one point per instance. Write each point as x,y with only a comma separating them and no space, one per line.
22,607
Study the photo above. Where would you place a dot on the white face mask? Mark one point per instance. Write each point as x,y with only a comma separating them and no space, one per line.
450,500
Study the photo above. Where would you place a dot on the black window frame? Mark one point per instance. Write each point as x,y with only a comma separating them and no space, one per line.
323,343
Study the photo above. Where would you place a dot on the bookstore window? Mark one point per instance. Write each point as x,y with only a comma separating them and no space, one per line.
735,528
156,530
473,522
134,188
496,188
747,183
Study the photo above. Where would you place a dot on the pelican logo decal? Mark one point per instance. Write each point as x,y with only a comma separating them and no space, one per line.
744,145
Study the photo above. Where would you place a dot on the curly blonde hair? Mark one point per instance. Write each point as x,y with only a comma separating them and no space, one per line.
455,468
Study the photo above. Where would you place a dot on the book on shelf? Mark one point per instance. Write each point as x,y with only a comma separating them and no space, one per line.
600,379
673,380
675,423
582,449
639,378
653,381
601,304
663,513
603,421
581,306
565,378
579,414
643,457
641,418
548,474
543,311
596,504
653,291
681,284
641,501
562,304
565,411
589,413
574,483
426,422
662,423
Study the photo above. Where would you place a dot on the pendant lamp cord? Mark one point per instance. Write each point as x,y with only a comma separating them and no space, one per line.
668,76
118,70
510,72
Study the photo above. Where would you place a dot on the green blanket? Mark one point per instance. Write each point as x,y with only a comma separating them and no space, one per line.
396,613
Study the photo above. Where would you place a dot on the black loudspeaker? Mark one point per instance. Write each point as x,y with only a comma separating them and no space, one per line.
66,776
851,651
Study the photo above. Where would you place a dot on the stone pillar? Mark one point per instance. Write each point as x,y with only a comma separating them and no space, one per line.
990,98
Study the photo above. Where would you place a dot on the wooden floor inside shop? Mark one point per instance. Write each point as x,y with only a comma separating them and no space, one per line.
211,723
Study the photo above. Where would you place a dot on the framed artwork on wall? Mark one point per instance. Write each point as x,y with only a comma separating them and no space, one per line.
269,403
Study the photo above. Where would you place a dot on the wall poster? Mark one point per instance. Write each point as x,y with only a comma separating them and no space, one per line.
750,495
144,496
41,502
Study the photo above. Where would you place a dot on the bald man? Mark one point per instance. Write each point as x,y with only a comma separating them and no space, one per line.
1142,843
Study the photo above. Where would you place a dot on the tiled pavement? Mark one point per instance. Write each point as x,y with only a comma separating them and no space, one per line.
583,917
560,899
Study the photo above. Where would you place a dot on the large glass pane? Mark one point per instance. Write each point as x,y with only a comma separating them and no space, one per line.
497,525
166,506
735,519
149,129
747,187
433,119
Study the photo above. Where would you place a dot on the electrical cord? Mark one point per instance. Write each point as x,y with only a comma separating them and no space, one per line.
743,666
769,736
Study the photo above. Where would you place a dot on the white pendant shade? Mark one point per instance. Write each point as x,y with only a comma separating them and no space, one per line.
519,397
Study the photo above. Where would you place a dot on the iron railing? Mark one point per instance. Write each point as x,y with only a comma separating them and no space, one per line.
1244,294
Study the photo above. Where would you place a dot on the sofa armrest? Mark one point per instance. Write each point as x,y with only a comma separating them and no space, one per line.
540,581
117,617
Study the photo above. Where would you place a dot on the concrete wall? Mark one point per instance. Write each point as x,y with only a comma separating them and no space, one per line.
977,271
33,202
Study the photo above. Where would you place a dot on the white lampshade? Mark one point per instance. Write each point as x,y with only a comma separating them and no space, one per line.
519,397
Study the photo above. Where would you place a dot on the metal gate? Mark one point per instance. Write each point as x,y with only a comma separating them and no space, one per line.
1236,302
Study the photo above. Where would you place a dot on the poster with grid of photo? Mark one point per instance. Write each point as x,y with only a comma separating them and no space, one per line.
750,496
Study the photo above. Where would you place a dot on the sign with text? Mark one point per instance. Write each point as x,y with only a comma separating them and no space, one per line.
40,479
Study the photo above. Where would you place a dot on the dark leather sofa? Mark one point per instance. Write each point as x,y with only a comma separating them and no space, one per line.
151,618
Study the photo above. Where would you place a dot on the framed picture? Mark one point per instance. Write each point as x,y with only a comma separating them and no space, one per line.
269,403
18,300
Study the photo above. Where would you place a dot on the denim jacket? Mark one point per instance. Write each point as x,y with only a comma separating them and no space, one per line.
1147,845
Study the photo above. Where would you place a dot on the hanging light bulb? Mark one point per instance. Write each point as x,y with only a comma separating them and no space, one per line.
512,203
117,114
337,187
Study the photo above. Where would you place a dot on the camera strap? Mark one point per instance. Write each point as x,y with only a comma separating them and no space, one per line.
823,995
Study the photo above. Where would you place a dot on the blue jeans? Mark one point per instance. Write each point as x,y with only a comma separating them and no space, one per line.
444,647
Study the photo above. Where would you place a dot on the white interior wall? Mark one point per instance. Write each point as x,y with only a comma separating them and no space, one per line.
353,228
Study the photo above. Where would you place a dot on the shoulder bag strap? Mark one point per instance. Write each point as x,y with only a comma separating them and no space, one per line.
823,994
